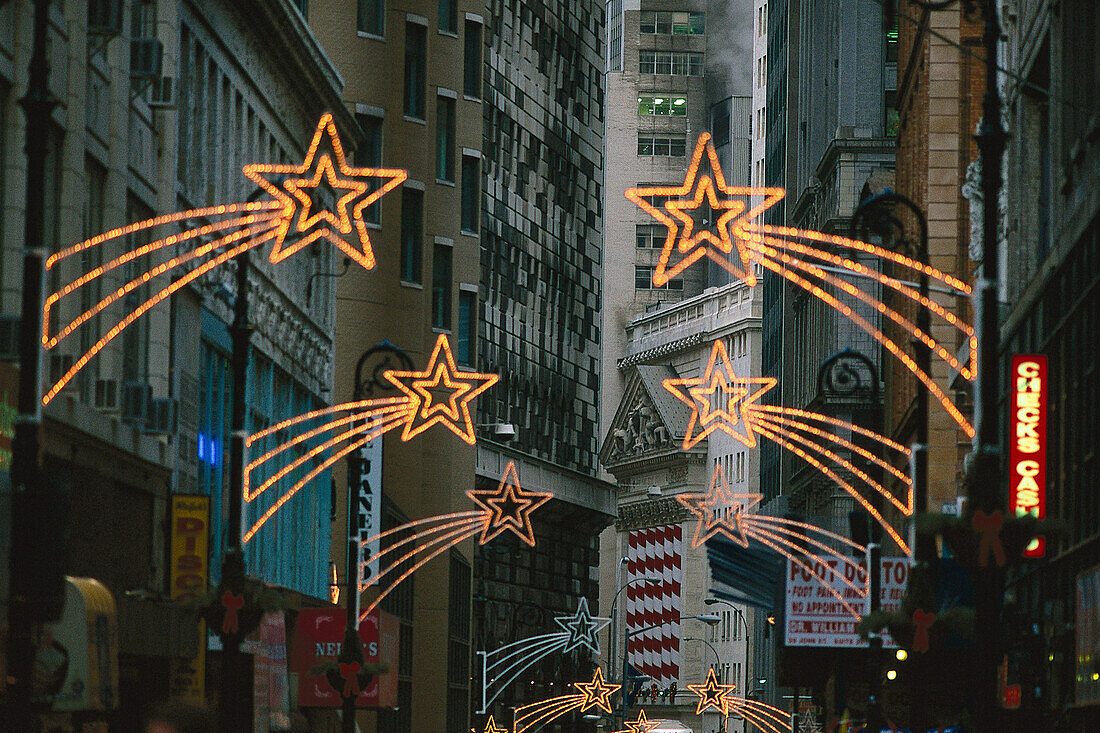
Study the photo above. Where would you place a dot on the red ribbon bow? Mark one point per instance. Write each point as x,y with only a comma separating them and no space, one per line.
232,603
923,621
988,526
350,673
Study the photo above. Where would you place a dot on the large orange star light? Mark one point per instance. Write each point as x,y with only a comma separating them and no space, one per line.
719,400
685,243
641,725
708,507
509,507
712,695
597,693
296,187
441,375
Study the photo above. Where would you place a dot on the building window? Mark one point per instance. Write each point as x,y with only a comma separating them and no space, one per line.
471,76
650,236
674,146
470,186
412,233
467,327
448,16
664,23
441,286
669,63
369,155
643,280
415,63
371,14
669,106
458,650
445,139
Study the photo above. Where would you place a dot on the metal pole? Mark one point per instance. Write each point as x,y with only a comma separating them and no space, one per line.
231,706
985,491
37,105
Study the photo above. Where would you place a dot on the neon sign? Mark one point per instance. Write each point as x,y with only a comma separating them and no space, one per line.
722,400
805,258
1028,442
238,228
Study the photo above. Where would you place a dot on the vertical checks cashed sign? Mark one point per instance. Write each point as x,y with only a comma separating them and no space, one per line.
655,553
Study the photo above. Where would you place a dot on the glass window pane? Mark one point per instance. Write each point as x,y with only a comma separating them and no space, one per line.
441,287
370,16
645,146
412,232
447,15
415,62
471,79
445,139
470,188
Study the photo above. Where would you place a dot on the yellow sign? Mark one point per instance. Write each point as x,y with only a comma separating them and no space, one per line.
190,574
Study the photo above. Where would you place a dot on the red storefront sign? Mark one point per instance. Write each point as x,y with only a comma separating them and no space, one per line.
318,638
1028,441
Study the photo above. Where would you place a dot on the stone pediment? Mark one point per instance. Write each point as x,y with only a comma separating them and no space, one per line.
649,420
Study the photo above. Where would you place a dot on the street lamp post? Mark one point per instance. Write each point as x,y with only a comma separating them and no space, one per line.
705,618
351,651
717,664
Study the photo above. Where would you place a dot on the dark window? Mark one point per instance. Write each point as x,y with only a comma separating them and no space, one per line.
471,77
458,650
643,280
370,16
412,234
369,155
448,16
467,327
415,63
470,186
441,287
445,139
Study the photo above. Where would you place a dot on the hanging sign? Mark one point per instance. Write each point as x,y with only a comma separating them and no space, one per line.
370,512
1028,441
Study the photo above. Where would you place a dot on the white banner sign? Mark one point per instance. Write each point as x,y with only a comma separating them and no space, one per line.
816,617
370,510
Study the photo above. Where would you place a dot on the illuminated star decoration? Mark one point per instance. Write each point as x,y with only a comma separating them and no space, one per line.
441,374
641,725
712,695
582,628
296,187
153,266
728,231
597,693
491,727
509,507
719,400
709,508
824,265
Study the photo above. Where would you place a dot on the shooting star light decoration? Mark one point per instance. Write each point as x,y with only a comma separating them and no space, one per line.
712,695
641,725
227,231
596,693
501,667
766,717
349,426
506,508
722,400
805,258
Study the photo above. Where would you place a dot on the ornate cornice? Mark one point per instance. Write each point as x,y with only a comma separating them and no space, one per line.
657,351
665,510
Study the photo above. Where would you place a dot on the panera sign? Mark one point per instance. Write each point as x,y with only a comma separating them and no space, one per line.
1028,442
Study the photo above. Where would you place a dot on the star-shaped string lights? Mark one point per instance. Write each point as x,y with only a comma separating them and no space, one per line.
441,374
717,241
491,727
295,187
509,507
712,695
709,508
582,628
641,725
719,400
597,693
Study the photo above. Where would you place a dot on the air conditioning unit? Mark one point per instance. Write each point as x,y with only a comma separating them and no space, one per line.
161,416
104,17
9,338
163,93
106,394
145,58
136,398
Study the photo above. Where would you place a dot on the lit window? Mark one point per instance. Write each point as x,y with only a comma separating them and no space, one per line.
662,105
